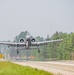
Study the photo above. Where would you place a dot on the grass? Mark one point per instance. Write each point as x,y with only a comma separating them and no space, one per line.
8,68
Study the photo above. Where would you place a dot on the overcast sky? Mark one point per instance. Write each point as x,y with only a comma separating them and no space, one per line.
38,17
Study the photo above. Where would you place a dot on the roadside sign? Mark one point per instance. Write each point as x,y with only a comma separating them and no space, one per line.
1,56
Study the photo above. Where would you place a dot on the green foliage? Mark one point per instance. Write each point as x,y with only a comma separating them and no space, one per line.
38,38
65,48
21,35
58,50
8,68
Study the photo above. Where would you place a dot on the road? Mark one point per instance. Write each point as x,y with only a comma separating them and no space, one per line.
56,67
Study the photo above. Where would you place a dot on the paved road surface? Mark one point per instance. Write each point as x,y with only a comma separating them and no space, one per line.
56,67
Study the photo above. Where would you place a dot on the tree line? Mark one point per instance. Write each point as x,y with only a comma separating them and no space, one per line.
59,50
63,50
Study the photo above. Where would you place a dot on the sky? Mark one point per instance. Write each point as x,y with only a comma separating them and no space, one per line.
38,17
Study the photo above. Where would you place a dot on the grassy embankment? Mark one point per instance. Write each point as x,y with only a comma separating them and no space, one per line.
8,68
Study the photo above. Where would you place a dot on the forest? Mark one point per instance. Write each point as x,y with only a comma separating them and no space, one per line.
63,50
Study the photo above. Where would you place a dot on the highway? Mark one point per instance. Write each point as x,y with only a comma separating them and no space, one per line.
56,67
